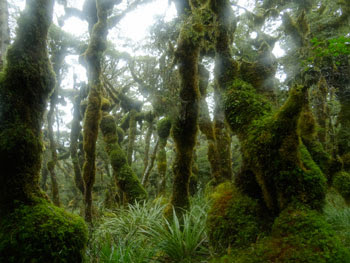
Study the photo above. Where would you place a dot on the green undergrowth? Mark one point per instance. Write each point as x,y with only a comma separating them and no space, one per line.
140,234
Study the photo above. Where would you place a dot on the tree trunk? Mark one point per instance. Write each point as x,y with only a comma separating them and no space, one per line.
184,128
93,56
24,89
126,179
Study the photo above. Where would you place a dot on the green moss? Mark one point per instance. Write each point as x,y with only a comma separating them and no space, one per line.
234,220
341,182
126,179
121,134
42,233
238,99
298,235
163,128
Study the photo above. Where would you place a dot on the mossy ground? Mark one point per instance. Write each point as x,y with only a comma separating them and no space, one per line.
42,233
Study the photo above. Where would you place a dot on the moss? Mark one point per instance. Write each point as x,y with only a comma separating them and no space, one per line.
240,97
184,130
126,179
298,235
42,233
25,85
282,167
234,220
163,128
121,134
341,182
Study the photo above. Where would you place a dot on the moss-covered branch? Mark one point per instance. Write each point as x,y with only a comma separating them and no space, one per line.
126,179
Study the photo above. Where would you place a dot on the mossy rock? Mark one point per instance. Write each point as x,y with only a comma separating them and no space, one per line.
298,235
341,182
163,128
234,220
42,233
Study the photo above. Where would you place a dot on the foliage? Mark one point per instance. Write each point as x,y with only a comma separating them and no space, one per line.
334,47
141,234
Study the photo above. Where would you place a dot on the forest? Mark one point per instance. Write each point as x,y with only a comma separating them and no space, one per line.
220,135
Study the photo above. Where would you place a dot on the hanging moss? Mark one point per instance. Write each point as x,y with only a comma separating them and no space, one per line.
234,220
126,179
42,233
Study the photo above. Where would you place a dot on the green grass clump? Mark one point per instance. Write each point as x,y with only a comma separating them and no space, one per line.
140,234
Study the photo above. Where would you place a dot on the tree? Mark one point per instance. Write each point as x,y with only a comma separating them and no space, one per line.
26,216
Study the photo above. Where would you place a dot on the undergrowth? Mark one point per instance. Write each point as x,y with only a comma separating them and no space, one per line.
140,234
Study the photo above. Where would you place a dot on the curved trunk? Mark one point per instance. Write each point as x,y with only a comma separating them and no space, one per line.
93,56
126,179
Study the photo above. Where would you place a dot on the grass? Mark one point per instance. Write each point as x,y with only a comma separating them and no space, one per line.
141,234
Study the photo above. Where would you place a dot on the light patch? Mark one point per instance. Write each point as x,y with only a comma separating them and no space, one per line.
278,51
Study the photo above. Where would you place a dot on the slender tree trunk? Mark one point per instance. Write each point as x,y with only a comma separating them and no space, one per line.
132,135
147,146
149,168
223,139
207,128
93,56
74,137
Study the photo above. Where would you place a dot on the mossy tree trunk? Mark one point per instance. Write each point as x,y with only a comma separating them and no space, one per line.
149,168
163,130
74,137
223,139
185,125
27,217
58,55
93,56
132,134
126,179
27,81
207,128
271,148
148,138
